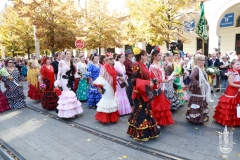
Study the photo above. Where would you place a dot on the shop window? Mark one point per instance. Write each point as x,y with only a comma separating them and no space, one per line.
111,50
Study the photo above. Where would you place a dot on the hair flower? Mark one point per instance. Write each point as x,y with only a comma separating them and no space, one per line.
136,51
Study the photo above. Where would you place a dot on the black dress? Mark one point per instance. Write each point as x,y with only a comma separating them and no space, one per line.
142,125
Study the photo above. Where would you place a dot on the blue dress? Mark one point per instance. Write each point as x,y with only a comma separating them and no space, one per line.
93,95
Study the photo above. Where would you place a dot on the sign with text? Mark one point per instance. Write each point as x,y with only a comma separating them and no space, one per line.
227,20
189,25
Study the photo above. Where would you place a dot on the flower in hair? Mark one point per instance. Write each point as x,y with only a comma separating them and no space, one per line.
136,51
157,49
109,54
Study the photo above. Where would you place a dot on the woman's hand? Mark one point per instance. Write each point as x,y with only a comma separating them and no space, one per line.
121,78
151,84
10,78
100,90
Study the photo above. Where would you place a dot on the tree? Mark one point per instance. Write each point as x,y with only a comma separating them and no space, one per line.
54,19
16,33
158,21
99,27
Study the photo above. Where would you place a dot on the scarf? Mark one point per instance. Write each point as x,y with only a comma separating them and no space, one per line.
112,72
48,73
204,85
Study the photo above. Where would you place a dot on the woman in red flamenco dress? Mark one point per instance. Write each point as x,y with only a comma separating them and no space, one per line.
226,110
49,97
32,78
160,104
107,107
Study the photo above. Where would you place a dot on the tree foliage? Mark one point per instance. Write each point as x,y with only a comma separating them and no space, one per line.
16,33
157,21
55,21
99,27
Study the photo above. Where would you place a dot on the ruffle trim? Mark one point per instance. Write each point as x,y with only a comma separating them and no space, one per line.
107,106
69,113
193,85
107,117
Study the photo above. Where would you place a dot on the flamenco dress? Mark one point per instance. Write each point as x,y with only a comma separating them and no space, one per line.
169,91
197,110
34,92
178,71
14,92
4,105
82,89
124,106
93,95
160,104
107,107
226,112
49,97
68,104
142,125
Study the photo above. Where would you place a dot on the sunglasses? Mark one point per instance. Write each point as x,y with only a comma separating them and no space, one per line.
10,62
110,59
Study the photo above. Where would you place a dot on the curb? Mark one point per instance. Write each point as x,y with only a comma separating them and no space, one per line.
6,155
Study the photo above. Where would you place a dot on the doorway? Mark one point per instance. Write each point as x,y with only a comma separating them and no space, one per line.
237,45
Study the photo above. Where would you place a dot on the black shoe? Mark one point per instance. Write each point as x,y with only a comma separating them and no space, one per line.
211,91
218,90
56,110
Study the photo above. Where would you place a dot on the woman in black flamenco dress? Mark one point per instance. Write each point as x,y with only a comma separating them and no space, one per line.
142,125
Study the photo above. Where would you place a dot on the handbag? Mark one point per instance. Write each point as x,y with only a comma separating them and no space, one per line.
123,84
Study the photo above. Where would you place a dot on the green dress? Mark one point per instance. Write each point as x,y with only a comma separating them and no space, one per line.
178,72
82,90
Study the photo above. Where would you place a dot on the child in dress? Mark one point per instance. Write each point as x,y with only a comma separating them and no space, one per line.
226,111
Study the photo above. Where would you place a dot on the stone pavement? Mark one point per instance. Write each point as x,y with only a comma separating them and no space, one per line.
36,135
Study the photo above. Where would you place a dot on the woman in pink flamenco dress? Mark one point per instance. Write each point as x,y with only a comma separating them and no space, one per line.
160,104
226,110
68,105
124,106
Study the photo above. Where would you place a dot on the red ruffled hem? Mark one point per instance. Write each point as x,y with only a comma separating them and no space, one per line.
161,110
33,93
225,111
107,117
3,103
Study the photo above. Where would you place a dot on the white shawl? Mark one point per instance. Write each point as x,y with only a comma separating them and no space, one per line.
204,85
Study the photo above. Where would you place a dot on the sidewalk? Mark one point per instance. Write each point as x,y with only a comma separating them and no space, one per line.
35,135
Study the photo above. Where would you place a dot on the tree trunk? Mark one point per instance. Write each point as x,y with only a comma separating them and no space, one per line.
167,45
99,51
28,52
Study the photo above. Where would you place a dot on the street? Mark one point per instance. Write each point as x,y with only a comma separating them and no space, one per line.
35,133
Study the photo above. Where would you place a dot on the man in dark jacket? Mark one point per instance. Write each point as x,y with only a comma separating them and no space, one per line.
56,62
128,65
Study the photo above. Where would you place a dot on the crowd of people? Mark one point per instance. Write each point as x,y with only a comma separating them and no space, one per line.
129,83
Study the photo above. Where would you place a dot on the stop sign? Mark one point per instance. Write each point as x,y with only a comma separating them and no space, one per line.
79,44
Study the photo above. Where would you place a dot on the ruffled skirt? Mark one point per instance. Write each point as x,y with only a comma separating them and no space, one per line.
142,125
49,100
197,111
170,94
16,97
34,93
93,96
68,105
161,110
124,106
4,105
226,111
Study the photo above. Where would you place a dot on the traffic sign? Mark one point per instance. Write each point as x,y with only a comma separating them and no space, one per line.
79,44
